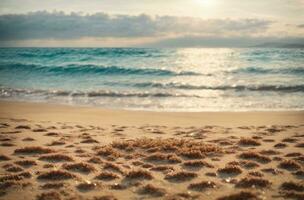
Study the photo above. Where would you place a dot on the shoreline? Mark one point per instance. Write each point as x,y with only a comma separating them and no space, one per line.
103,116
262,110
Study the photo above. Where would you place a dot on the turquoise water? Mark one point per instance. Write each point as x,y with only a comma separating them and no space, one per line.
156,79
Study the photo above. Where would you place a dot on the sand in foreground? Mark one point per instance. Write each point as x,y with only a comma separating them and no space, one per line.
62,152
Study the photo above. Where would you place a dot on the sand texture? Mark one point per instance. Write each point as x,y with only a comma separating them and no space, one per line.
60,152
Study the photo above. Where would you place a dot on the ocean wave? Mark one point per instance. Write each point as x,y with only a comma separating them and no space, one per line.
108,52
84,69
11,92
15,92
278,88
259,70
91,69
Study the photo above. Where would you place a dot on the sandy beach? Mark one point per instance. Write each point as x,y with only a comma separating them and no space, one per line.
52,151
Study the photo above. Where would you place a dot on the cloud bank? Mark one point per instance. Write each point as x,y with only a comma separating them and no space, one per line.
55,29
58,25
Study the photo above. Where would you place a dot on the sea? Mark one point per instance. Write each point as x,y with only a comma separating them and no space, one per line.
156,79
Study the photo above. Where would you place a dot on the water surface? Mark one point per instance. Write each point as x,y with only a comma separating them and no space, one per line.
156,79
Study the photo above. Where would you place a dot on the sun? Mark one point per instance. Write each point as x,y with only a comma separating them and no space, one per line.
205,2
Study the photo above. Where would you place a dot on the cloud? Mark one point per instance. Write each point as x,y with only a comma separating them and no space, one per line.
58,25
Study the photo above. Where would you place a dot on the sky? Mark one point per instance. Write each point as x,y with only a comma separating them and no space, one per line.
150,23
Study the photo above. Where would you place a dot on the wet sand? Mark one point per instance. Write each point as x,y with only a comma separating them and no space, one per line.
65,152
